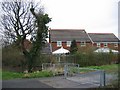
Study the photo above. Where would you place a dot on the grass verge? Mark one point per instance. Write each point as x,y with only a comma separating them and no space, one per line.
6,75
113,68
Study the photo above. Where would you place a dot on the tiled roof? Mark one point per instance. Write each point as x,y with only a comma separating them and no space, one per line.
103,37
68,35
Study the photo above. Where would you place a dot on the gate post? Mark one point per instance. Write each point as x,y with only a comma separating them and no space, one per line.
65,71
78,68
53,69
102,78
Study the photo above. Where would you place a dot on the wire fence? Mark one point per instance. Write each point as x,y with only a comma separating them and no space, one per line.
74,72
86,76
57,69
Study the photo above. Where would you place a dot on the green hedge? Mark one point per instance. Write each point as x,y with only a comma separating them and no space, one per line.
95,59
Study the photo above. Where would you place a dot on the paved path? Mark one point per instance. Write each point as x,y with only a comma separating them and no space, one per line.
51,82
24,83
61,82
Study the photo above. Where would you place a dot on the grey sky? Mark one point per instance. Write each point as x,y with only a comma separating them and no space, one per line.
92,15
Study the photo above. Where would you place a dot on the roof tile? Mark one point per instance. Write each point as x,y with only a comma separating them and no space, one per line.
68,35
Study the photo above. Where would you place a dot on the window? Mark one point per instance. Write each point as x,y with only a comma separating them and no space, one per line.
68,43
105,44
98,44
59,43
116,45
83,43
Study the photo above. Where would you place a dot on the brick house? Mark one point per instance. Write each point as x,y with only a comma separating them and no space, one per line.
107,40
63,37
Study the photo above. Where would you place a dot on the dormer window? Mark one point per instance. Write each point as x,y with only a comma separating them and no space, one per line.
98,44
59,43
83,43
105,45
68,43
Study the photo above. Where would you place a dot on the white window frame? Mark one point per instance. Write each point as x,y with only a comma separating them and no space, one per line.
105,44
116,45
59,43
68,43
83,44
98,44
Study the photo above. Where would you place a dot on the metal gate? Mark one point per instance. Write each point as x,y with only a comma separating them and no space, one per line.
84,75
74,72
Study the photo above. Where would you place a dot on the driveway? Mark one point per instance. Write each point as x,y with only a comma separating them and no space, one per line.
24,83
50,82
55,82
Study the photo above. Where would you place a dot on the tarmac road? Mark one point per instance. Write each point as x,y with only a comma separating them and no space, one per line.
50,82
24,83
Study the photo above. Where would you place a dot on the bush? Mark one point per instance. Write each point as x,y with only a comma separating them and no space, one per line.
12,57
38,74
92,59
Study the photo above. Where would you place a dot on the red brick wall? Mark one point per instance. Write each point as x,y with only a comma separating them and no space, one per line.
88,45
110,45
64,45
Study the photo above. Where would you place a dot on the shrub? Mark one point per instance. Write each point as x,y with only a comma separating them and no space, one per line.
12,57
38,74
89,59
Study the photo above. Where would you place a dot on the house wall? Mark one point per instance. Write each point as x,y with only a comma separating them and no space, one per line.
64,45
110,45
88,46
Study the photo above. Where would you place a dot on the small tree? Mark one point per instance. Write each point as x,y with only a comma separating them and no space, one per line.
73,47
20,20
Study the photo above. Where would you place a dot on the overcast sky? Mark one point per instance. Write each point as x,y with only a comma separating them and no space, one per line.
92,15
95,16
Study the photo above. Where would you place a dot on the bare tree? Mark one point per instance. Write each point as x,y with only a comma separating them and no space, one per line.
19,22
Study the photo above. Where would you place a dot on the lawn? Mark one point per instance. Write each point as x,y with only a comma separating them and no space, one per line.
14,75
113,68
11,75
110,69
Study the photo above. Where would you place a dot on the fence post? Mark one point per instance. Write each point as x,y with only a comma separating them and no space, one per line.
65,71
53,69
78,68
102,78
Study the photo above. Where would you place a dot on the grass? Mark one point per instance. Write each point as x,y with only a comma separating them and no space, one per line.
14,75
11,75
113,68
38,74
